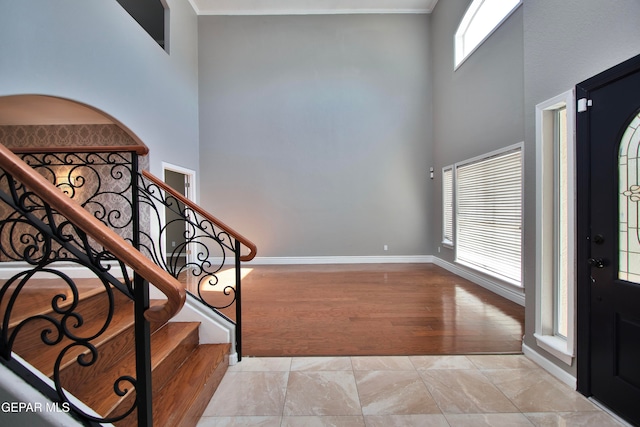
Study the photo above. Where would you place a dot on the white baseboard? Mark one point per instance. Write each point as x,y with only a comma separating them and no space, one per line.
550,367
487,283
384,259
233,359
73,270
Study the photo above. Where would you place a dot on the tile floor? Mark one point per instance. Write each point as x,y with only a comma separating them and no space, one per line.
397,391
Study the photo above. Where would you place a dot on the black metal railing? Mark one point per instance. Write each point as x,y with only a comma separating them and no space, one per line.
110,187
142,209
36,234
206,258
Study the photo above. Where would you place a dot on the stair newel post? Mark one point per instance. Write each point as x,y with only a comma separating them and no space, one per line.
238,302
142,327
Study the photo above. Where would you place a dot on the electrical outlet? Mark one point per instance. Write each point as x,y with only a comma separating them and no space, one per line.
173,244
385,247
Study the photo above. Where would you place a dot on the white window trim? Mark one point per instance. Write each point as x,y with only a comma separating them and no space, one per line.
561,348
449,242
518,146
467,18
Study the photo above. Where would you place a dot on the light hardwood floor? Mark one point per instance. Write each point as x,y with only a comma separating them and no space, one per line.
373,309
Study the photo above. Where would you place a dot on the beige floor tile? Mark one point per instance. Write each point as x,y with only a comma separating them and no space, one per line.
239,422
322,393
441,362
321,364
464,392
394,393
537,391
249,393
326,421
261,364
421,420
511,361
397,391
382,363
488,420
572,419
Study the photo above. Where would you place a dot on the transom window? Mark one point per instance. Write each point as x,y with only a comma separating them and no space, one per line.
480,20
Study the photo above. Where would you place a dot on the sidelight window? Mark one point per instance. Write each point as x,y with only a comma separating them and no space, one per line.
555,221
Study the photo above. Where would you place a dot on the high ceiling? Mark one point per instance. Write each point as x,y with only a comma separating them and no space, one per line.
43,110
309,7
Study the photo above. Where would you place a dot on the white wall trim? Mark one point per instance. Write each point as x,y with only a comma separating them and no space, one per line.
192,193
73,270
546,222
550,367
390,259
493,286
213,329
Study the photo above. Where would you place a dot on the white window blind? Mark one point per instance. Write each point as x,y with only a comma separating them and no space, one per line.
447,205
489,214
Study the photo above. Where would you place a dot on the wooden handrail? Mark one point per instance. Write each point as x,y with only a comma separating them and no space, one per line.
248,243
141,150
111,241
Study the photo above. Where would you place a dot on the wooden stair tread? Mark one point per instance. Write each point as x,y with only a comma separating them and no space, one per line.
184,374
184,398
170,345
111,351
31,348
36,296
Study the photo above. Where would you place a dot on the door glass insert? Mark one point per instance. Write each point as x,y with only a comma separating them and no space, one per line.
629,196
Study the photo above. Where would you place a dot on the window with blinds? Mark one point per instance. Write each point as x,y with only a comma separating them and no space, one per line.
447,205
489,214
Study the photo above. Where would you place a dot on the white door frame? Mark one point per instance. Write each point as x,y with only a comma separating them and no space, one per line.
190,190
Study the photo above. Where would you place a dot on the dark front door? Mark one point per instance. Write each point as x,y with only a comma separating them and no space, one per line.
608,144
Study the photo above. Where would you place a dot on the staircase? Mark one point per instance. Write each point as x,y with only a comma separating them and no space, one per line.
113,355
185,374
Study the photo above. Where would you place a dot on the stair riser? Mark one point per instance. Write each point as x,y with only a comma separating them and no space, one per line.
164,369
183,370
185,397
110,353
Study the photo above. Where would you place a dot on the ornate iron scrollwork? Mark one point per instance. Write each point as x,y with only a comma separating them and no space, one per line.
109,186
207,248
35,234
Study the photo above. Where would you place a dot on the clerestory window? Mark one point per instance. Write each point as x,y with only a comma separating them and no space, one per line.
152,15
481,19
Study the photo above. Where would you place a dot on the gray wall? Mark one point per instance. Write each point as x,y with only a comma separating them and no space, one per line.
477,108
544,49
94,52
566,42
316,132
